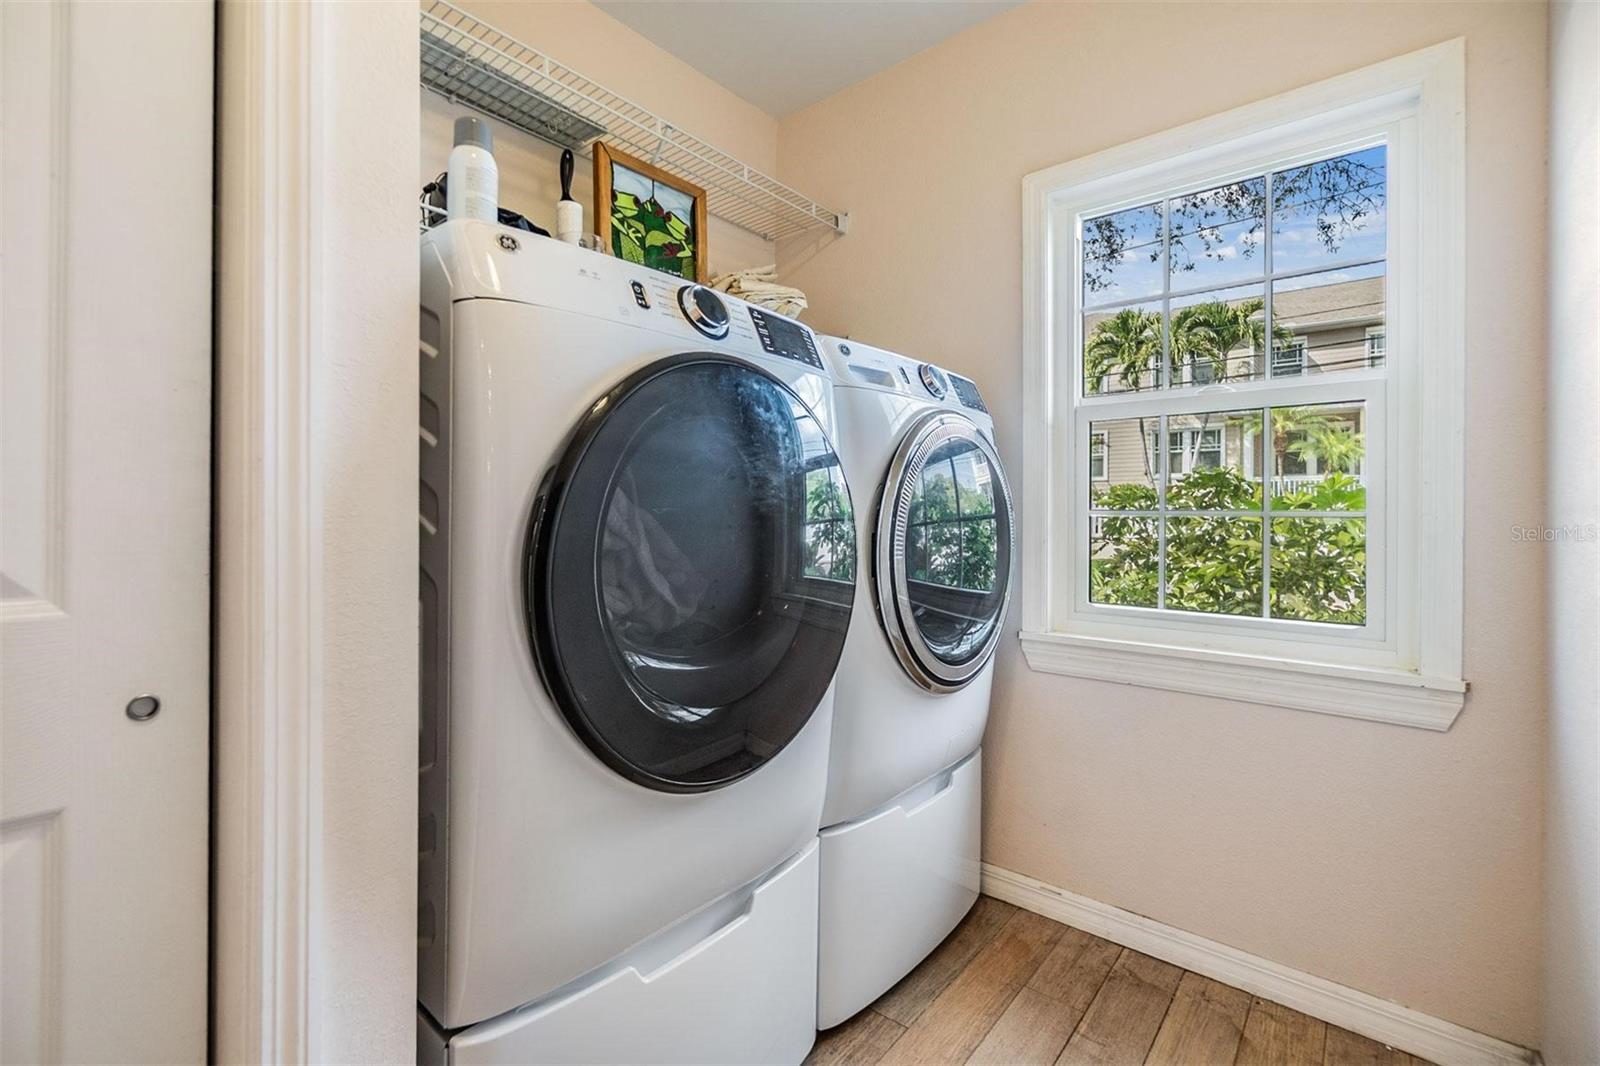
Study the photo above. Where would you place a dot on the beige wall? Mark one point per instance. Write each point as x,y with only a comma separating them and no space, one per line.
603,49
1572,831
1402,862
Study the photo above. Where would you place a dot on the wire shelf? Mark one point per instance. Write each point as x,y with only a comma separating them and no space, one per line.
474,64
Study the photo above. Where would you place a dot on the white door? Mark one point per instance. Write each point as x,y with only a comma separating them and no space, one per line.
105,394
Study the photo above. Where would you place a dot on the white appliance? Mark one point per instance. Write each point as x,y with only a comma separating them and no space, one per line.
629,632
899,847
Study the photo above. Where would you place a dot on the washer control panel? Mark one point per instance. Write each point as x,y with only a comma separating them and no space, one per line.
781,336
933,380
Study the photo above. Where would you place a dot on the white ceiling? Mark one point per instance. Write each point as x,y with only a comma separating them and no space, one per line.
782,55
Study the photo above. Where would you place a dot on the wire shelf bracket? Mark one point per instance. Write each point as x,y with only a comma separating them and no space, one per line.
476,65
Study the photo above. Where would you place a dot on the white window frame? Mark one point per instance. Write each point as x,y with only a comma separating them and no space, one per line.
1404,666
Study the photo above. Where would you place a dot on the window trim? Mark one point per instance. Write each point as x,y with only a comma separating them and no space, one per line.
1412,676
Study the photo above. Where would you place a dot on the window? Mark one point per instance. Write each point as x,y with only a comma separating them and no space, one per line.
952,530
830,544
1211,390
1302,249
1188,449
1289,358
1375,346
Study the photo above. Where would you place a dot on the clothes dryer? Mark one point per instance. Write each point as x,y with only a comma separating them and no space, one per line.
900,843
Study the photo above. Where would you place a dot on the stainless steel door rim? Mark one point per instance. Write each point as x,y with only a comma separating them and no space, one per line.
895,608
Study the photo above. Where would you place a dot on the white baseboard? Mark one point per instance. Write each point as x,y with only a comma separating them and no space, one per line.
1420,1034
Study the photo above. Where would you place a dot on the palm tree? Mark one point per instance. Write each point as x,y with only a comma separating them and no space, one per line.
1212,331
1127,344
1338,447
1291,428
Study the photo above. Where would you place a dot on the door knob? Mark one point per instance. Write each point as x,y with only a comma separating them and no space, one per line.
143,708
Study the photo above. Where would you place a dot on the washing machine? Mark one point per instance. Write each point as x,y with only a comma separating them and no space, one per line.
637,576
900,837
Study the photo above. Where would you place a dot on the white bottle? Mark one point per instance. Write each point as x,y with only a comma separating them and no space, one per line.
472,188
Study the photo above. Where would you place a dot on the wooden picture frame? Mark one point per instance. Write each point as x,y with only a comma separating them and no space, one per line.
670,235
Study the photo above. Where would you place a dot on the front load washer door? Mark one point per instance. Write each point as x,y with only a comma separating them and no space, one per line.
943,551
689,572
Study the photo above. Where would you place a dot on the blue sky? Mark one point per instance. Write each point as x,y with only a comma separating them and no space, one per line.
1236,252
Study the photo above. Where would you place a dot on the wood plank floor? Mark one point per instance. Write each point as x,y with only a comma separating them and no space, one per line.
1012,987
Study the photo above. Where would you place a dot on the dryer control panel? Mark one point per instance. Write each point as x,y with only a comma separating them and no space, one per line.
853,361
967,393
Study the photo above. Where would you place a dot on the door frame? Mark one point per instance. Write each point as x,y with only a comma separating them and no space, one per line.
315,674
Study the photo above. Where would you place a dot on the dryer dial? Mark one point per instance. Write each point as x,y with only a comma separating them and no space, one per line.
705,310
933,380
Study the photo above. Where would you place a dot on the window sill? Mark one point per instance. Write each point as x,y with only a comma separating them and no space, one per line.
1399,697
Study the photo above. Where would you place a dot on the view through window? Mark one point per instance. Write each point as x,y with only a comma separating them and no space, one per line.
1269,292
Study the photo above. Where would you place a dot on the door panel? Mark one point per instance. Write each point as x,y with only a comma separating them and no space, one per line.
691,572
105,364
943,559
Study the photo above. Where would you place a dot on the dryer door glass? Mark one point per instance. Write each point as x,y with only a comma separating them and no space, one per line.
944,551
690,570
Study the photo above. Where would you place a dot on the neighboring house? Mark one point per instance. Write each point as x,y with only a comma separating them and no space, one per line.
1336,326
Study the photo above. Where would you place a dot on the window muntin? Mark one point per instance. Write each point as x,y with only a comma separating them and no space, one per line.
1188,527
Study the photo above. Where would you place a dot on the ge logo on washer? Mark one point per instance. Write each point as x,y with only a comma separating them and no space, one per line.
508,242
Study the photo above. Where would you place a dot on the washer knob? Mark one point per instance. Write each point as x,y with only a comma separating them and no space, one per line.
933,380
705,310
